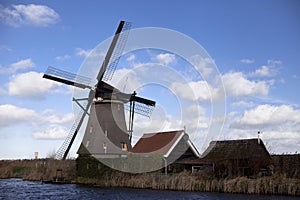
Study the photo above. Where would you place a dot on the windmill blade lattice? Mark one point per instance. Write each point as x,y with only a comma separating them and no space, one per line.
68,78
60,154
114,60
141,109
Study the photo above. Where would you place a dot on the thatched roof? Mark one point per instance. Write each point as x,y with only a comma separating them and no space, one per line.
235,149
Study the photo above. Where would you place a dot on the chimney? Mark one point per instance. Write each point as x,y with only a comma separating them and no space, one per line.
258,139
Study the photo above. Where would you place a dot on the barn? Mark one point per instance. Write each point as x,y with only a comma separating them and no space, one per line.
244,157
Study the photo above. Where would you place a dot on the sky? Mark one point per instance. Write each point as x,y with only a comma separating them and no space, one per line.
253,44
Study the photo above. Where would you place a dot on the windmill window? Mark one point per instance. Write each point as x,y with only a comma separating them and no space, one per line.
105,132
119,107
124,146
91,129
87,143
104,147
124,166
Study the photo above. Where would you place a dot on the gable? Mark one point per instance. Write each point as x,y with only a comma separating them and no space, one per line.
172,145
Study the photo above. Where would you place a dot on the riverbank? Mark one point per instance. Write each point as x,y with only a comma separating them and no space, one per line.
39,169
272,185
34,170
18,189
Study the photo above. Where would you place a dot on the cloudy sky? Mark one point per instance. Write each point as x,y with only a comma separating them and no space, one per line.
254,44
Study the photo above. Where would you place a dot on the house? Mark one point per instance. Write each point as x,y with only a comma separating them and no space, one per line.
168,151
236,157
173,148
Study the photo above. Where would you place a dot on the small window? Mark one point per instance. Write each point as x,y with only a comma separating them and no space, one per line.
87,143
104,147
105,132
119,107
91,129
125,166
124,146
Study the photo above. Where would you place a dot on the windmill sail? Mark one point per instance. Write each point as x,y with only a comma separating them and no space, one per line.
112,47
114,60
62,151
67,78
66,146
143,109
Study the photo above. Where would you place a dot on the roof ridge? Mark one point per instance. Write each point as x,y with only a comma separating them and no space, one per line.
165,132
234,140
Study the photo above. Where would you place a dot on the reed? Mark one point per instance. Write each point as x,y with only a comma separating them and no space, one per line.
34,170
185,181
277,184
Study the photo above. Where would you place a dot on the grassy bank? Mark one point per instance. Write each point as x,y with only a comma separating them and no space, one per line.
102,176
91,171
34,170
272,185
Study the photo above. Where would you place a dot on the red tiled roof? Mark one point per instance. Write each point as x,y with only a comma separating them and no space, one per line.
160,142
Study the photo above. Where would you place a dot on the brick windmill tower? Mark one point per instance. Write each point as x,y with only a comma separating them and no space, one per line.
106,133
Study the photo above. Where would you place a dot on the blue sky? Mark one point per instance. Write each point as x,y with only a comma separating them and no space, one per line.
254,44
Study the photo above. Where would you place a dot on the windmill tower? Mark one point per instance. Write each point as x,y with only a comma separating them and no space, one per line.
106,133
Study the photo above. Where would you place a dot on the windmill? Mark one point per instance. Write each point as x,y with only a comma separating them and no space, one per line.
106,132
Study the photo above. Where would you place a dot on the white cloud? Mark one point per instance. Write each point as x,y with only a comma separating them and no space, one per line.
282,80
2,91
49,124
264,116
37,15
166,58
30,85
204,65
269,70
162,121
240,104
49,117
62,58
83,52
52,132
13,115
273,62
130,58
247,61
237,85
264,71
20,65
295,76
126,80
4,48
194,119
193,91
279,139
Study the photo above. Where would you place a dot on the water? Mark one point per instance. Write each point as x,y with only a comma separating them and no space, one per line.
18,189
